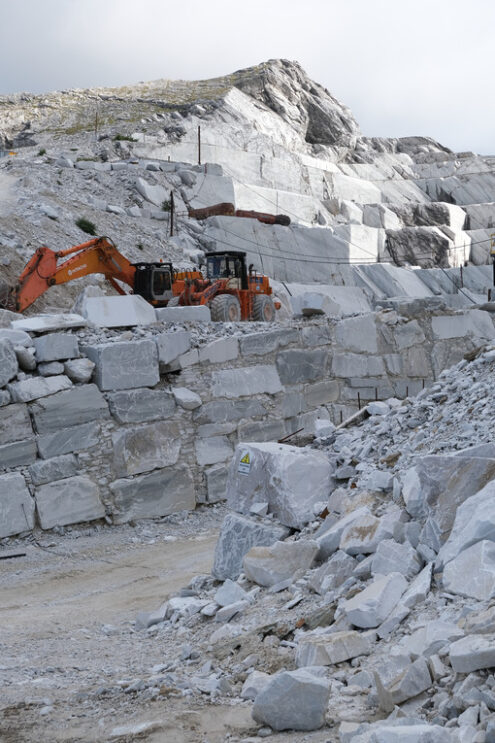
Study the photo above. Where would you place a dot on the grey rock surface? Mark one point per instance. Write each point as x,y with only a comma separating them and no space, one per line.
68,501
472,572
316,649
15,423
80,404
371,607
48,470
79,370
33,388
292,700
8,362
141,405
16,505
472,653
237,535
56,347
124,365
145,448
66,440
267,566
159,493
290,479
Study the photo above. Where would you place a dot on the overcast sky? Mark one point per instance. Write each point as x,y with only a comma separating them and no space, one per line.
404,67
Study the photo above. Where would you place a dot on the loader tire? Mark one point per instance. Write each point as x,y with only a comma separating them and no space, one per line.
263,309
225,308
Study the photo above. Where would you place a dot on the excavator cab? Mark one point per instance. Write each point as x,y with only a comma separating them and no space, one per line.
153,281
229,265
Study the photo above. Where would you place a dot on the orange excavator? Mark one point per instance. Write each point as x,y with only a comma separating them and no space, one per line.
152,281
228,290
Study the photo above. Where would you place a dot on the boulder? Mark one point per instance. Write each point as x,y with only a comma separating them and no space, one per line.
145,448
118,311
66,440
255,682
315,649
16,505
438,484
229,593
371,607
36,387
158,493
68,501
267,566
419,588
79,371
365,533
410,682
56,346
57,468
8,362
185,398
290,479
245,382
329,534
292,700
124,365
72,407
237,535
141,405
472,653
431,638
472,572
332,573
172,345
15,423
392,557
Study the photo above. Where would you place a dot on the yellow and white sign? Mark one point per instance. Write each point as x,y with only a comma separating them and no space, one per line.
244,467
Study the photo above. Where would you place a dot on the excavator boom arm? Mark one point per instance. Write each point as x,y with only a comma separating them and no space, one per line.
95,256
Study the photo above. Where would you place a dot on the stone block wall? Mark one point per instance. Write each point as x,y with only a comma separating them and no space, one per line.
133,429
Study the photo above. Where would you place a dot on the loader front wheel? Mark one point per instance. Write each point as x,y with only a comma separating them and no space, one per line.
263,309
225,308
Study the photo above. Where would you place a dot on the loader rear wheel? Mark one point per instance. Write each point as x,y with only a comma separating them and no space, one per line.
263,309
225,308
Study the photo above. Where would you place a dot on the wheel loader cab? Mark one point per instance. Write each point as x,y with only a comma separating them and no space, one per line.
153,281
228,265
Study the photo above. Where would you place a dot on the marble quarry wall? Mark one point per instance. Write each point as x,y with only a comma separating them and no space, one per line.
141,428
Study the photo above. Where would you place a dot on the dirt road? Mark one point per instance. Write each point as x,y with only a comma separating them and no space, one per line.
66,635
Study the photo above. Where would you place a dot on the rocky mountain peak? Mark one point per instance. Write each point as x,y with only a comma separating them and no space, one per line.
285,88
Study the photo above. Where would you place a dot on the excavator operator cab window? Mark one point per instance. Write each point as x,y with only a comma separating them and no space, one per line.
223,267
161,283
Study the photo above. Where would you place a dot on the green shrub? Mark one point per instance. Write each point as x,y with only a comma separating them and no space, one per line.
123,138
41,152
166,206
86,226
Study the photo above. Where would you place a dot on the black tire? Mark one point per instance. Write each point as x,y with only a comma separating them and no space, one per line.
174,302
263,309
225,308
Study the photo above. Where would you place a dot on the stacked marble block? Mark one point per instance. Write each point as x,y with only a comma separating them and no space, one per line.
145,427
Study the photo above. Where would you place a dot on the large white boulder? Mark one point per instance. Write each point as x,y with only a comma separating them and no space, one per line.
292,700
315,649
472,572
370,607
118,312
474,522
291,480
472,653
269,565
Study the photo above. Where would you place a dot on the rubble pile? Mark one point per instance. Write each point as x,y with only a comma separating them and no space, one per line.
353,583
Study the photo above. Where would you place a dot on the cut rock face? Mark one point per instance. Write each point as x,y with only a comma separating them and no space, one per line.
438,484
290,479
472,572
371,607
292,700
267,566
237,535
325,650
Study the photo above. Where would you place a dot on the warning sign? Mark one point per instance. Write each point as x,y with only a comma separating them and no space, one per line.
245,463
